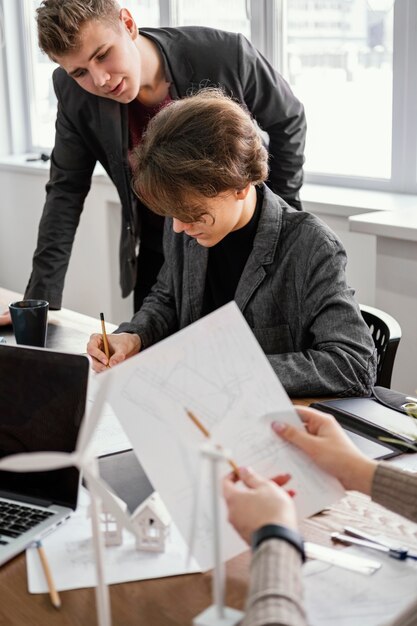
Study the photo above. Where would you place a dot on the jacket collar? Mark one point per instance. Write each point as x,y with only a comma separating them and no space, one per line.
167,42
113,119
263,253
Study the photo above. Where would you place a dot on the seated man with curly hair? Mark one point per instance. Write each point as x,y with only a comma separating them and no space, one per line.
202,165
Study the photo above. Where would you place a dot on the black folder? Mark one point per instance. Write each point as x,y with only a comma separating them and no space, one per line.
375,420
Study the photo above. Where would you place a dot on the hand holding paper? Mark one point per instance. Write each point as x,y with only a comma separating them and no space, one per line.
325,442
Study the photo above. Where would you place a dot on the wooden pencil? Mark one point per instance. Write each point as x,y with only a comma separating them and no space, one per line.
55,599
206,433
105,341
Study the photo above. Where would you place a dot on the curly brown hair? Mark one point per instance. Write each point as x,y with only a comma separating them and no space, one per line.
59,22
202,145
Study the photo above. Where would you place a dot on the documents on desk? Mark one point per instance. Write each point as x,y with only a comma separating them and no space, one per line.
71,557
337,596
109,436
215,368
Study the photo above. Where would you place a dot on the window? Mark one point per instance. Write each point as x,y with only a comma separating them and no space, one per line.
145,12
228,15
340,58
351,62
42,111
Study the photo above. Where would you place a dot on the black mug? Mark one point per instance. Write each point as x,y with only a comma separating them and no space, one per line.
30,322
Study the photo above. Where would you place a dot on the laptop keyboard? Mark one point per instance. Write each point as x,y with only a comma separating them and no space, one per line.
16,519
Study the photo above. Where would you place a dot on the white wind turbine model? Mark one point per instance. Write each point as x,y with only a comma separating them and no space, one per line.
83,458
217,614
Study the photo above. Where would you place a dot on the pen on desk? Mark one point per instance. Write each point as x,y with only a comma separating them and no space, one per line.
396,553
206,433
55,599
105,342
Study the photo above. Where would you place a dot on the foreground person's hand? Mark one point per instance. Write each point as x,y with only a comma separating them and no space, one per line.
326,443
259,502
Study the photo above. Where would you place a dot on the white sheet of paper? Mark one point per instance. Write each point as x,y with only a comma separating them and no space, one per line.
216,369
334,595
109,436
71,558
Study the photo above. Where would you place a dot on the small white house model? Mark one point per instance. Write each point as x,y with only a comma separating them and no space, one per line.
111,529
152,522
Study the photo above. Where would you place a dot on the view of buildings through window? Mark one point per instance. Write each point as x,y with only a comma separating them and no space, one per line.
228,15
338,62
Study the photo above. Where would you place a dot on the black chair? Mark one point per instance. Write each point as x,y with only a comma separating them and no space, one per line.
386,333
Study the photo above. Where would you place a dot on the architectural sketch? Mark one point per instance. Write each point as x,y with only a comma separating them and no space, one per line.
215,368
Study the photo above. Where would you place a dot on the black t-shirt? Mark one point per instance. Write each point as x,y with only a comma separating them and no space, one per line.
227,260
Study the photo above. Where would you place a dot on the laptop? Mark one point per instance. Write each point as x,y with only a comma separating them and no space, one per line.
42,403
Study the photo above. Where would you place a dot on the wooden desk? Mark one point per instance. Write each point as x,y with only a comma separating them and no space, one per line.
167,601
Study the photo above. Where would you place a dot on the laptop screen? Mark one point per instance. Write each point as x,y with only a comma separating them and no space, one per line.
42,402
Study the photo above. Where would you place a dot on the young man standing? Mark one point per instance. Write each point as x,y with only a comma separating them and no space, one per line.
112,79
228,236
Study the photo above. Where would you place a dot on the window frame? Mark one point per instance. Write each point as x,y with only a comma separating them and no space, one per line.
17,92
268,34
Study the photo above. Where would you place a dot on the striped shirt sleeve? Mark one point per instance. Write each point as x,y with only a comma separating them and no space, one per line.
395,489
275,591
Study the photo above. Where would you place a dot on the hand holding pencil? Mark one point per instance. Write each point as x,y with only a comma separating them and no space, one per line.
105,341
109,350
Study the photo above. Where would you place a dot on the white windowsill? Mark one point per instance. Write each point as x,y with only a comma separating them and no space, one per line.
18,163
400,224
347,201
379,213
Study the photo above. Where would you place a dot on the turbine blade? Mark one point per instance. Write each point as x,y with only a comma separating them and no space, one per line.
37,461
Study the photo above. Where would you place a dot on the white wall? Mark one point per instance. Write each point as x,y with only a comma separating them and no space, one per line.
92,280
396,292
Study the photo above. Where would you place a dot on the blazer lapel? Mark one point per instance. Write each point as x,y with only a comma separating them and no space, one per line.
114,132
264,248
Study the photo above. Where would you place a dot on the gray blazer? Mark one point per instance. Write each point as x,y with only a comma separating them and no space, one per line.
293,294
91,129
